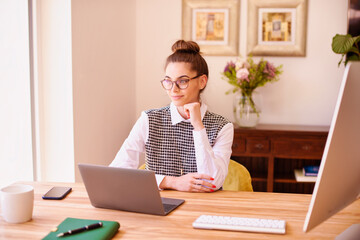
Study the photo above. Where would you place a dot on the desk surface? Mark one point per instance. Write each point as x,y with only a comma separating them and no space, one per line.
178,224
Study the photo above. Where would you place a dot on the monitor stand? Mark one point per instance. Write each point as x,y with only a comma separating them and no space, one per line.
352,233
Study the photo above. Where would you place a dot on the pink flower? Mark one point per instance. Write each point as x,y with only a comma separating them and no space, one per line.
270,70
245,76
242,74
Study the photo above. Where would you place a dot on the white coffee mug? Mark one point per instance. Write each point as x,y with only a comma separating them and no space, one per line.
17,202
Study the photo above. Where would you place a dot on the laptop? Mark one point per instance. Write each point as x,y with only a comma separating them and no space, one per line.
125,189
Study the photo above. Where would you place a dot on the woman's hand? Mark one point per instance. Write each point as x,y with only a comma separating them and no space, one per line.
192,110
191,182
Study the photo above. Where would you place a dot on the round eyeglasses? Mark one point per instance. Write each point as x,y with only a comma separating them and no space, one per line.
181,83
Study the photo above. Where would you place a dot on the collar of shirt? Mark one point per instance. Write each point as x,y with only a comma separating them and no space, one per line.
176,117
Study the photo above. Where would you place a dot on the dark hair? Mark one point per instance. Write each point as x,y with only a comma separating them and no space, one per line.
188,52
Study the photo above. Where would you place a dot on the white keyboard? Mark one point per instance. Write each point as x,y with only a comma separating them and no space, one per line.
240,224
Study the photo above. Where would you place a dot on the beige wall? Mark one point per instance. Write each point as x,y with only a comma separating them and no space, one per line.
306,93
53,91
103,43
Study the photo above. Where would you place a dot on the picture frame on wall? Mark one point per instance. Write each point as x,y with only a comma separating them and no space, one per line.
213,24
277,28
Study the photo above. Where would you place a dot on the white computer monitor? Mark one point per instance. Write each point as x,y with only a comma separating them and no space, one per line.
338,182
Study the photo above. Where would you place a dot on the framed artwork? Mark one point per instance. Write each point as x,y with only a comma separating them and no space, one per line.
213,24
277,28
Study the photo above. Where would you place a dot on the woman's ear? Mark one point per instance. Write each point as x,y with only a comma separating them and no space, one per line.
203,81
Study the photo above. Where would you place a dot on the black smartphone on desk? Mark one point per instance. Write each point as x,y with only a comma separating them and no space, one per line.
57,193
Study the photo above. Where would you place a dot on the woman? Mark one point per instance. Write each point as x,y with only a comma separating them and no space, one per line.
186,146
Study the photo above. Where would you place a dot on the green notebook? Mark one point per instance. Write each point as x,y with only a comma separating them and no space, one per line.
107,231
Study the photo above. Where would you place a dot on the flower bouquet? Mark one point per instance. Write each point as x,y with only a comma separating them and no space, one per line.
245,77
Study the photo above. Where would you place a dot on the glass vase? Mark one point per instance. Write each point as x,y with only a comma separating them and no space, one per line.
246,110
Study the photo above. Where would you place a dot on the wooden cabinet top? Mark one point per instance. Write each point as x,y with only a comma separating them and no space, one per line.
282,128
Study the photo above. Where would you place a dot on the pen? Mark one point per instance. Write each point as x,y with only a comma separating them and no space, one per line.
82,229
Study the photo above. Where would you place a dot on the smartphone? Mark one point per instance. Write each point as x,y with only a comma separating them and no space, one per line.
57,193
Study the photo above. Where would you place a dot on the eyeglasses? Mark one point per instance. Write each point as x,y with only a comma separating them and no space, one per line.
181,83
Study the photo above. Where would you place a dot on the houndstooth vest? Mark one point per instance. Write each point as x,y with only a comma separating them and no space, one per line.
170,148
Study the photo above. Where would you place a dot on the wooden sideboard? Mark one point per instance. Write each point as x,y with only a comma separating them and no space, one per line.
271,153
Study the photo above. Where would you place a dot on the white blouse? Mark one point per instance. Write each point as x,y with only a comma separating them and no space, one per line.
212,161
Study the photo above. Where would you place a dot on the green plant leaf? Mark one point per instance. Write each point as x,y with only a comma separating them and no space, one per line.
343,43
342,56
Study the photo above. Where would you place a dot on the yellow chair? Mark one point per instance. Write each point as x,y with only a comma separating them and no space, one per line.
238,178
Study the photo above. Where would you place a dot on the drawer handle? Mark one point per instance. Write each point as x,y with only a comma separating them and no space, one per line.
235,145
259,146
306,147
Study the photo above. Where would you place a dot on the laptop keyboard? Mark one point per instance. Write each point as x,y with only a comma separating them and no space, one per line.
168,207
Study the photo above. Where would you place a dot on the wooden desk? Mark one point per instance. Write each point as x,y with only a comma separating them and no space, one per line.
178,224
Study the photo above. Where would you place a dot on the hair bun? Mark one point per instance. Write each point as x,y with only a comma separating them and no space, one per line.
186,46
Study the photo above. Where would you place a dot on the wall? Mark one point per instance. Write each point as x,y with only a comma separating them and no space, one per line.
103,78
307,90
54,88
